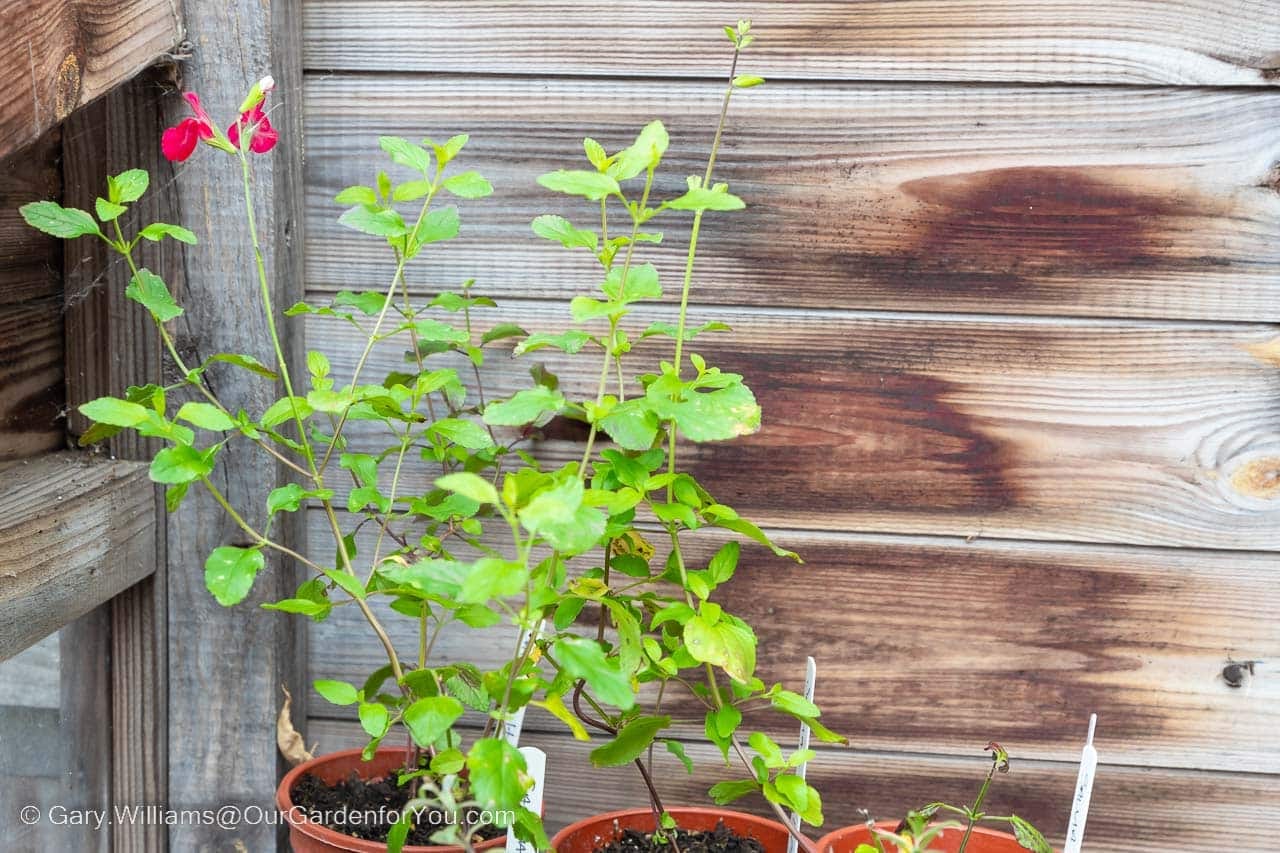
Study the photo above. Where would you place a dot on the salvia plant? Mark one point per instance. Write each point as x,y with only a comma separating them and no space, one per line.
918,831
497,537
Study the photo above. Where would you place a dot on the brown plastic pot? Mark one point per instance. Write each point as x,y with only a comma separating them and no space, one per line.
586,836
982,840
308,837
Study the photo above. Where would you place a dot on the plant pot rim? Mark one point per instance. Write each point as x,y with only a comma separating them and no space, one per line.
299,822
838,834
675,811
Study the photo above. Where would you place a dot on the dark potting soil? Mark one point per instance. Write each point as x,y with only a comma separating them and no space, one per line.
362,802
718,840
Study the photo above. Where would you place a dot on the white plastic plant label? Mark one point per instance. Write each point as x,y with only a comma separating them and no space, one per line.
536,764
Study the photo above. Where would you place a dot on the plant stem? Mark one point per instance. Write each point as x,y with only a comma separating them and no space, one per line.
613,321
974,813
265,288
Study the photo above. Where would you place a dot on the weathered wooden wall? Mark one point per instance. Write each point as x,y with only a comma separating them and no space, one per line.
1005,293
32,392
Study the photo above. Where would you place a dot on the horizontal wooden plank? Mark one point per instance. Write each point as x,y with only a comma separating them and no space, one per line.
943,644
1132,432
1132,808
75,530
62,54
1102,202
1129,41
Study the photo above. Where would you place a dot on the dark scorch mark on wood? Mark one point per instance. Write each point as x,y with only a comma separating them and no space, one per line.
1012,230
842,436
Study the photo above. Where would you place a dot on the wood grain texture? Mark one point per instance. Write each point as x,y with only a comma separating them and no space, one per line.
61,54
76,531
1082,201
31,339
1132,808
944,644
233,662
1130,432
1130,41
111,344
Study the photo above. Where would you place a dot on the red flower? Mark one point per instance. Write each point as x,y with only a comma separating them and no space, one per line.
263,137
179,142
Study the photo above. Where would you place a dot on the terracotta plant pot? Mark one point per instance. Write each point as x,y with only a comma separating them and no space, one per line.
587,835
308,837
982,840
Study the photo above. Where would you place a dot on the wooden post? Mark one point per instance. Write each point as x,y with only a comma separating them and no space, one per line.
111,344
228,664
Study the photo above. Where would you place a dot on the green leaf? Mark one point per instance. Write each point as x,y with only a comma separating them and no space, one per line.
406,153
1028,836
149,290
157,231
433,331
181,464
206,416
411,190
282,410
794,704
497,774
374,718
357,195
724,562
746,81
717,415
491,578
107,210
370,219
468,185
301,606
631,424
525,407
584,658
728,644
128,186
715,516
642,154
469,485
723,793
346,582
698,198
595,153
448,761
429,719
288,498
641,283
368,302
676,748
630,743
120,413
560,230
248,362
590,185
571,341
502,331
556,707
463,433
450,149
337,692
558,515
436,226
229,572
58,221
